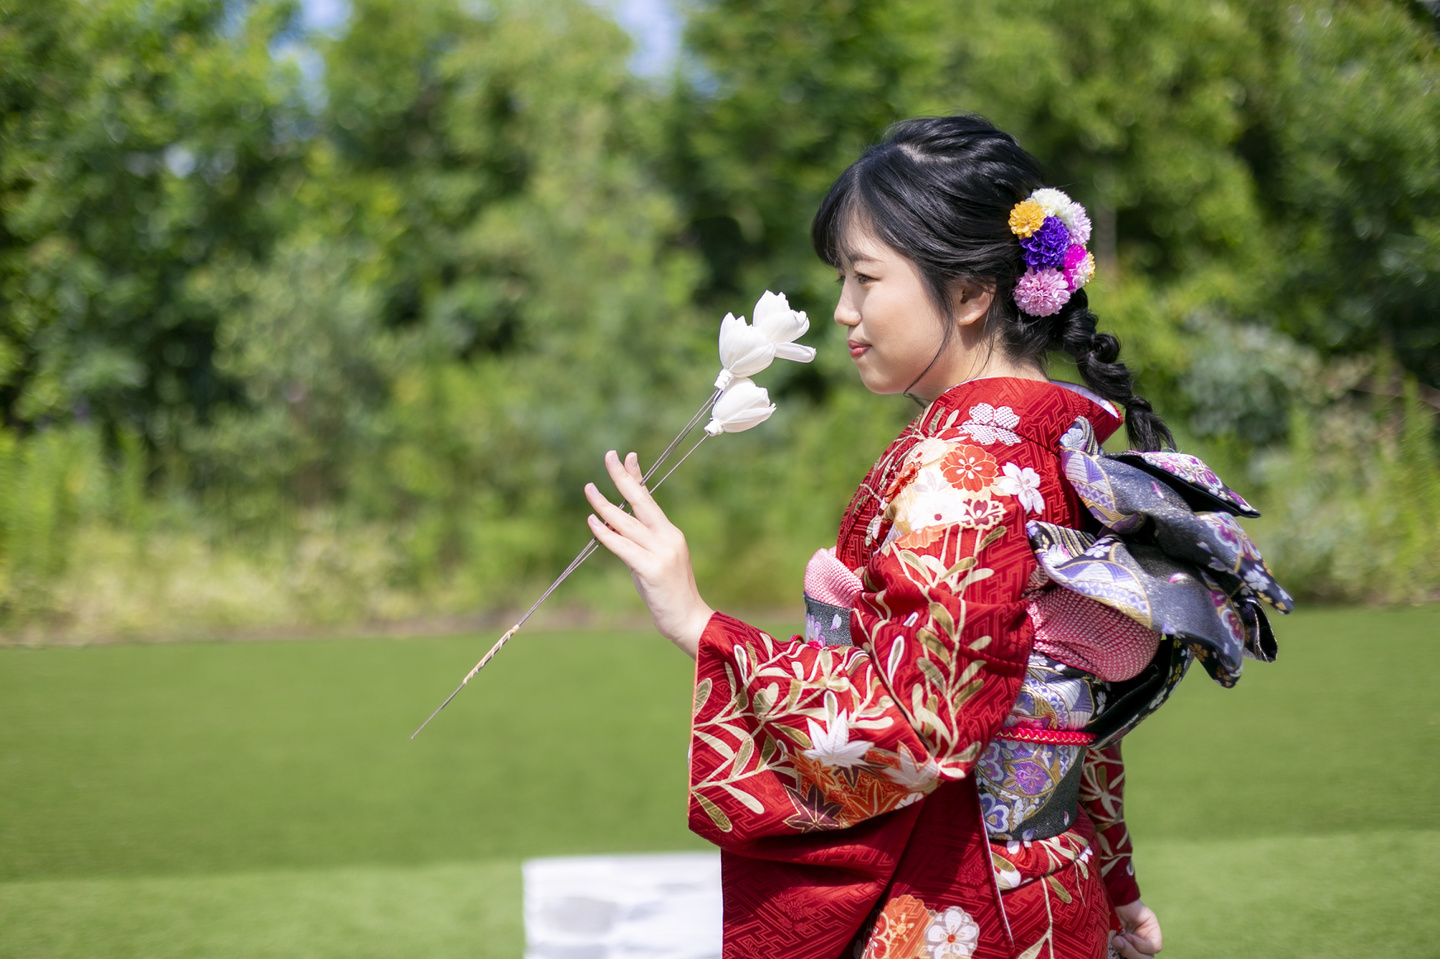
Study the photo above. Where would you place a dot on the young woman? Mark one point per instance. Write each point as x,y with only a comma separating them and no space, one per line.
925,788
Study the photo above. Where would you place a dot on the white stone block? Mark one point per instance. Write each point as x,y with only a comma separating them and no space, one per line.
663,906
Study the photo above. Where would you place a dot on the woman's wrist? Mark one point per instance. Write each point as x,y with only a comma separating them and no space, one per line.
686,634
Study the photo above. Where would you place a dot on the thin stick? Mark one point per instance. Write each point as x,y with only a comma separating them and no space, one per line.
583,555
672,469
694,421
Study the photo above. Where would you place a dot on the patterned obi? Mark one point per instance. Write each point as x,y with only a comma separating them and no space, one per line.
1162,576
1031,789
830,591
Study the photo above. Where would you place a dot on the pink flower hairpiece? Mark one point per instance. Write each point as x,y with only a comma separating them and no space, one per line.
1053,230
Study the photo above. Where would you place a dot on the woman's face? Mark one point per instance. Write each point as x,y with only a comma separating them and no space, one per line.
893,328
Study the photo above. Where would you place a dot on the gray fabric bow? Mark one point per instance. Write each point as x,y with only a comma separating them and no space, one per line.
1170,555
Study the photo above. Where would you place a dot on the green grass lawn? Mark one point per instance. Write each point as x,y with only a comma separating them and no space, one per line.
263,799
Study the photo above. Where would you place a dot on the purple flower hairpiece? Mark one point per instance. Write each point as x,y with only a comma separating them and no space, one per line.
1053,231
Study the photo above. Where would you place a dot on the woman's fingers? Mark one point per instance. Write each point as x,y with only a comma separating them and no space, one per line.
1141,938
1130,950
629,553
626,477
654,550
612,515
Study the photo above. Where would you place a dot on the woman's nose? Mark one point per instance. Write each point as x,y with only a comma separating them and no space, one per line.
845,312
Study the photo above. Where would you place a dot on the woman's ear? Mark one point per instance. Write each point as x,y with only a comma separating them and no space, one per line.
970,300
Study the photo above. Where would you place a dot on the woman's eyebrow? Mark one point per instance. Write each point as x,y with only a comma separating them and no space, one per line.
857,256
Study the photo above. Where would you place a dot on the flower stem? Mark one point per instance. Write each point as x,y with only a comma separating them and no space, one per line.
584,553
694,422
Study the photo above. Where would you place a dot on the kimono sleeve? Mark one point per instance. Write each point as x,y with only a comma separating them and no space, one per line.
1102,796
793,737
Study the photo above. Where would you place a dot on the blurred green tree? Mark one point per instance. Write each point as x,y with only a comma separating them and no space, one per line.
378,299
481,230
1277,163
145,150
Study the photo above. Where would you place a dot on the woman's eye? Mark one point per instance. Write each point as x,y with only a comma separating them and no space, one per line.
862,279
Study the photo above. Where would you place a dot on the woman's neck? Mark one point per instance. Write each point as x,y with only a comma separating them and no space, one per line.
989,364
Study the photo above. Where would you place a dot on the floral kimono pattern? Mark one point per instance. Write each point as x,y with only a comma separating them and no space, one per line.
839,781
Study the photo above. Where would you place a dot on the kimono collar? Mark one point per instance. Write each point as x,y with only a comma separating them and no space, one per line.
1036,410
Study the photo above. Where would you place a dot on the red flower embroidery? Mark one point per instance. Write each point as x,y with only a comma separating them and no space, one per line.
921,538
969,468
900,930
901,480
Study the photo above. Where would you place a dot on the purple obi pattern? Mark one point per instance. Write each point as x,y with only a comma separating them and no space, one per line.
1169,553
1031,790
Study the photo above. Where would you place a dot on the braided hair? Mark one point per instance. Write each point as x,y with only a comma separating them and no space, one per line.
939,190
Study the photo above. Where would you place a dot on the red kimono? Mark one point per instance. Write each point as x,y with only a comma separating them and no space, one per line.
837,780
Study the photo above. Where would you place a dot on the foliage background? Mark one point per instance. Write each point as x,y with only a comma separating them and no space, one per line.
310,328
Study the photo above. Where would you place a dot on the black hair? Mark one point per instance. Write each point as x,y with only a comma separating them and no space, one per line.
939,190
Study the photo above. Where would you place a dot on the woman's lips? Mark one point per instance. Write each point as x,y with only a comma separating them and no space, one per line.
857,349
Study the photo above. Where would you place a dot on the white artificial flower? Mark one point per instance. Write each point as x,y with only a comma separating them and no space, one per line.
1054,202
741,406
783,326
952,935
832,747
744,350
1077,223
1023,483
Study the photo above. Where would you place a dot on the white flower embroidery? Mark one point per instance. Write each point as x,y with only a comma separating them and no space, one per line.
1256,579
989,425
1053,557
941,508
930,450
916,777
1007,877
832,747
981,514
1023,483
952,935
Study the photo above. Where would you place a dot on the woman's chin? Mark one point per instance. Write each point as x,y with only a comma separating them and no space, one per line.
875,381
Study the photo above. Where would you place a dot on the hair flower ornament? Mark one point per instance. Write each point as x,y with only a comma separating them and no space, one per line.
736,405
1053,230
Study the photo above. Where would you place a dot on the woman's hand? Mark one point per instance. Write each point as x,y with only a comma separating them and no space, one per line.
655,550
1141,937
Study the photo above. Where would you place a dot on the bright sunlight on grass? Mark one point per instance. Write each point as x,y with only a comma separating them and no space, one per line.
262,799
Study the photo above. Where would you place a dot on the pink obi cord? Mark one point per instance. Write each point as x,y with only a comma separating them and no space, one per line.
1049,737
